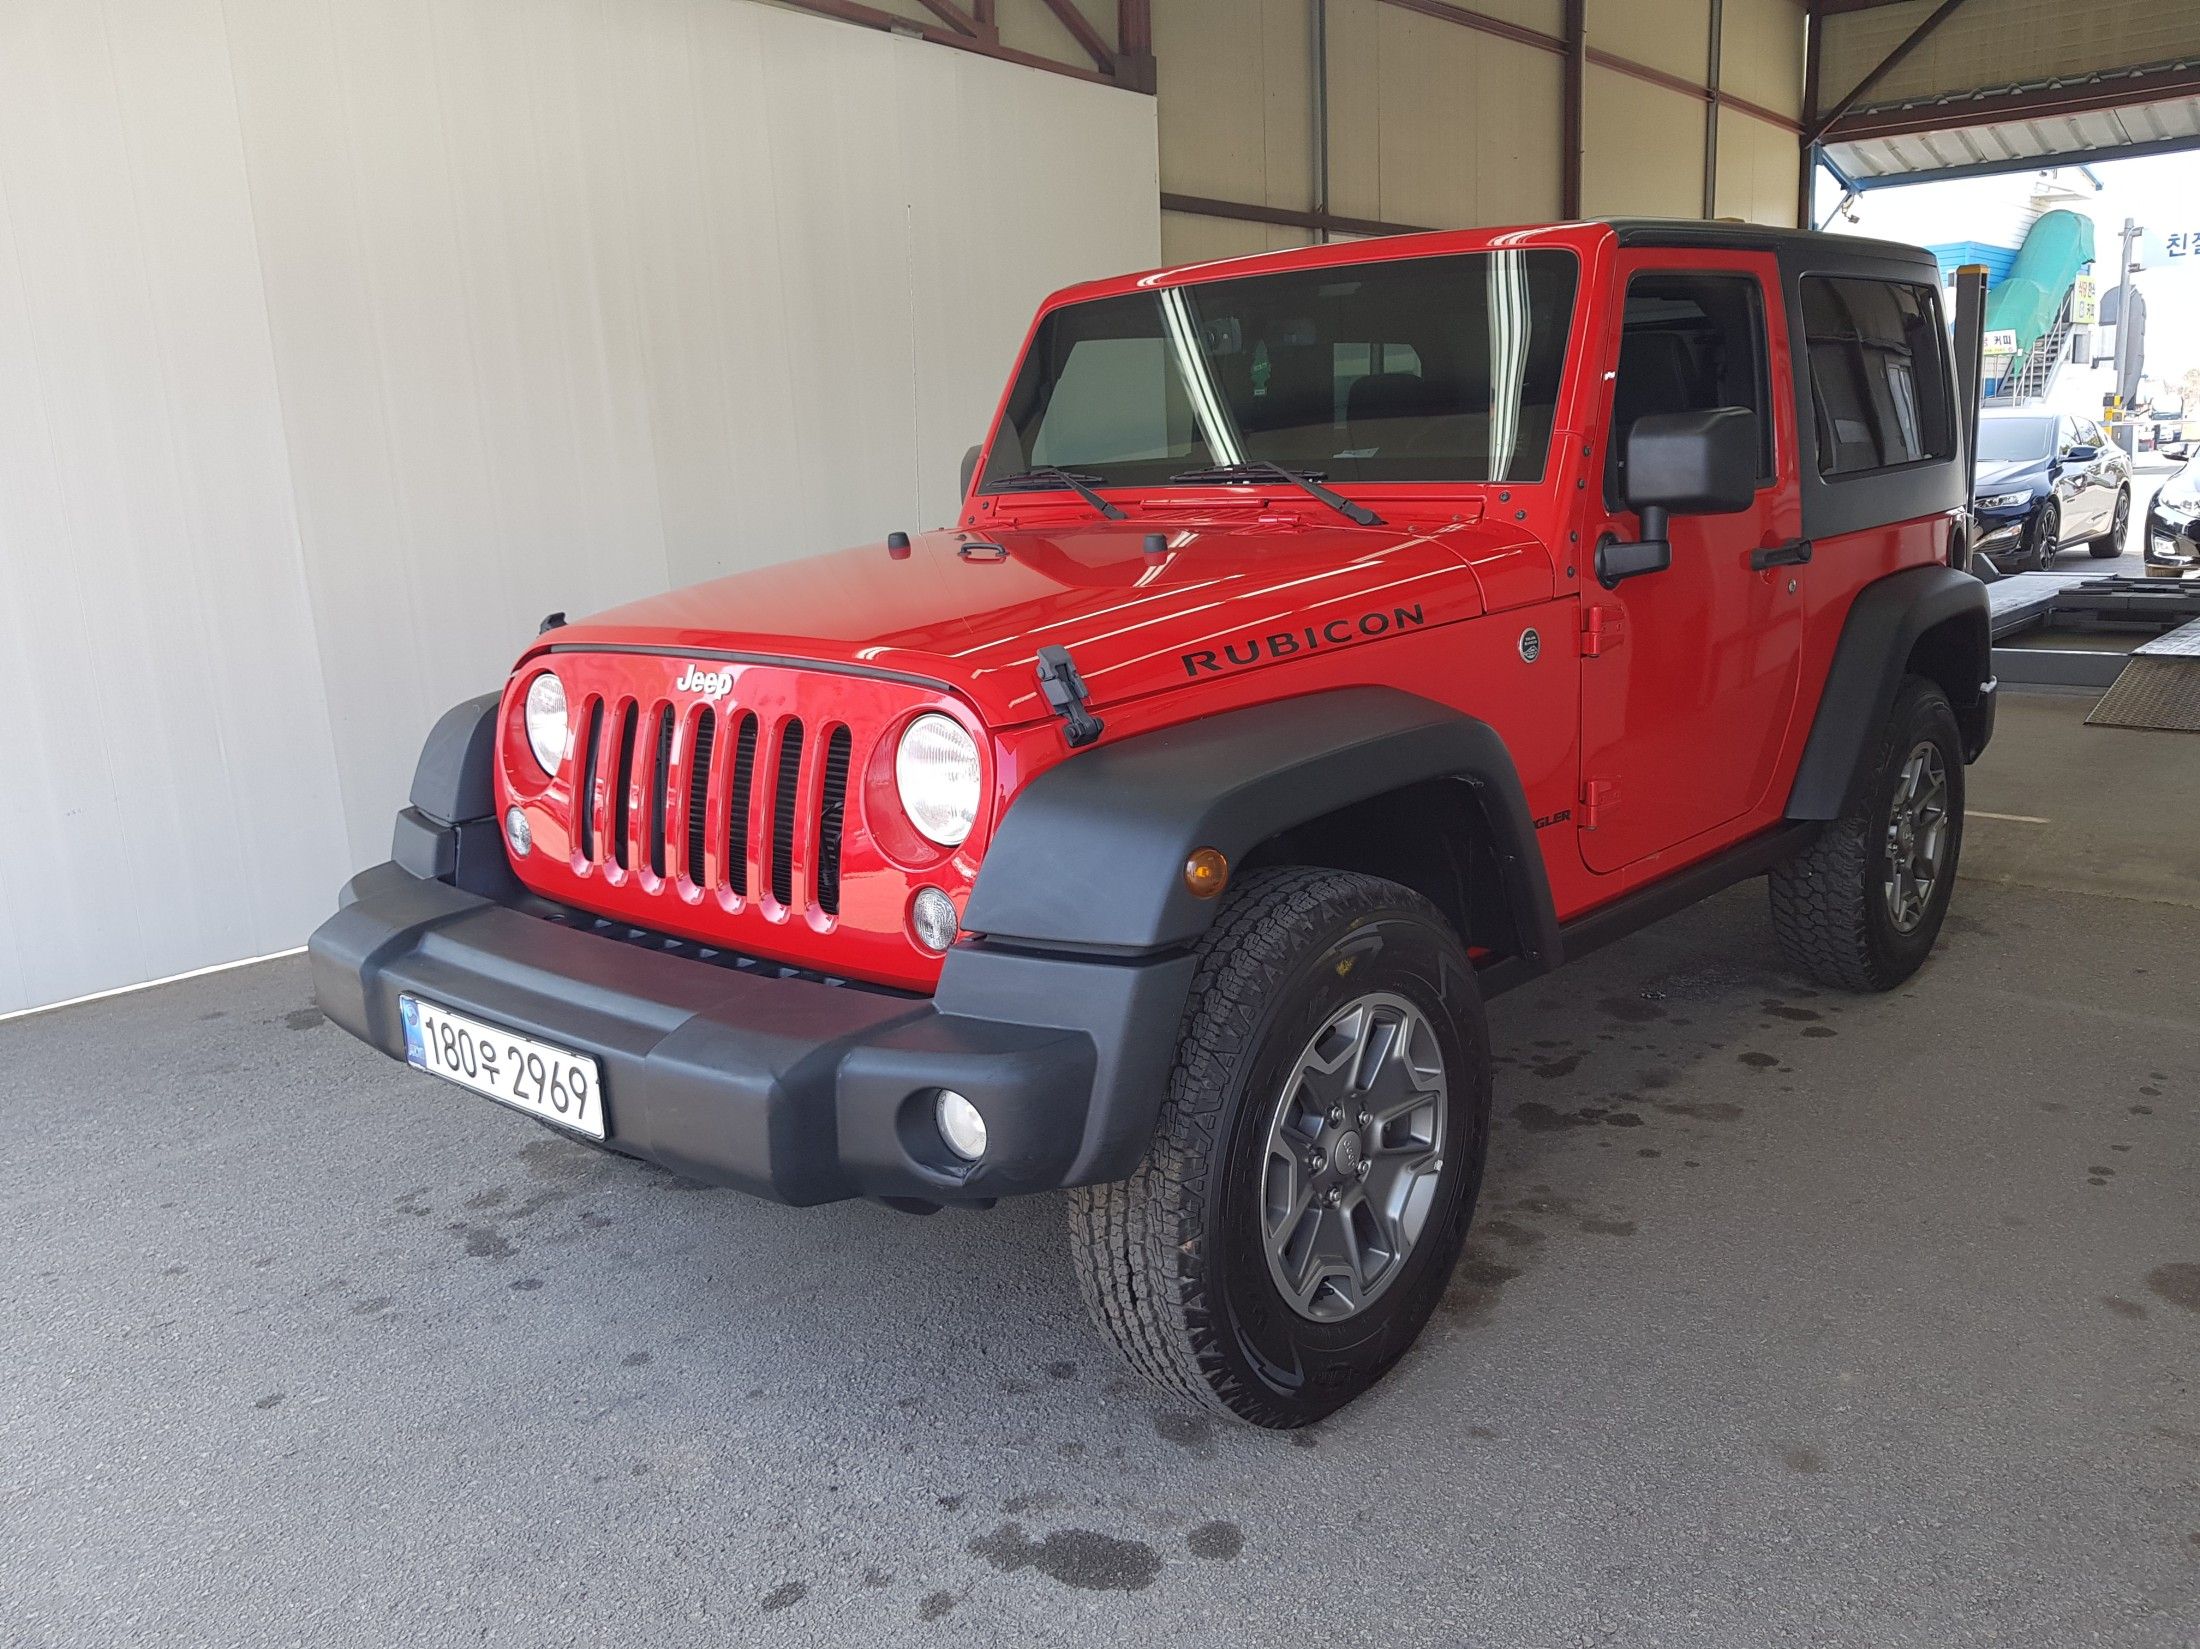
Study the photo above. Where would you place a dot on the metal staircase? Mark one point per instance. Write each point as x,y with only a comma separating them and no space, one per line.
2029,379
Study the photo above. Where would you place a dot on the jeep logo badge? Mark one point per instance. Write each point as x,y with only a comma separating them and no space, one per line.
1531,646
712,684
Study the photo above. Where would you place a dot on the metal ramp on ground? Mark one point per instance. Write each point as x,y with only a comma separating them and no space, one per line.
2135,641
2159,688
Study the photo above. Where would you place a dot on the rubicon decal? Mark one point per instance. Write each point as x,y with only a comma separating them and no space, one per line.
1336,632
711,684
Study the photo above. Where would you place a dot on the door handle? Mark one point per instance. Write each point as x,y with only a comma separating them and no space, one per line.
1793,553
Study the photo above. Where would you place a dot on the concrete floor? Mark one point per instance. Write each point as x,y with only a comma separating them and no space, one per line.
1788,1318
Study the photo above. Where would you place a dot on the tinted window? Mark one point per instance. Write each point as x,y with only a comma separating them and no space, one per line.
1416,369
1689,343
1878,371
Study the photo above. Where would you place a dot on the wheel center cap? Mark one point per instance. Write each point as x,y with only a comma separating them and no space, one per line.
1346,1154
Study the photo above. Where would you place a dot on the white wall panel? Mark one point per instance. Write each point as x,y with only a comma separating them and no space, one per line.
341,339
167,792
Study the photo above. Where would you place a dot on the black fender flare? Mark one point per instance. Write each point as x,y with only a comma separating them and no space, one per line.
1090,855
1884,624
455,778
450,833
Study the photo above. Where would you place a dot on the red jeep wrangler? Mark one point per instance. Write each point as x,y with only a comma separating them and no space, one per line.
1329,640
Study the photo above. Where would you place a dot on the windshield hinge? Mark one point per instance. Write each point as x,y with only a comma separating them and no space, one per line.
1065,695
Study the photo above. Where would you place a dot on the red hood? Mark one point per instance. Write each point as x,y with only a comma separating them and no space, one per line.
973,618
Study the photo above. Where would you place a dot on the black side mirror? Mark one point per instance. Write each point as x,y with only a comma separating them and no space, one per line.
2082,455
1684,463
970,468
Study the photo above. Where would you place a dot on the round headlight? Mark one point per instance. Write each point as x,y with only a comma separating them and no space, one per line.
546,723
936,771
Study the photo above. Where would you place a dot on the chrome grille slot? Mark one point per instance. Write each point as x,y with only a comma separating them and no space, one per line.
831,813
622,840
584,795
737,814
788,794
698,793
660,780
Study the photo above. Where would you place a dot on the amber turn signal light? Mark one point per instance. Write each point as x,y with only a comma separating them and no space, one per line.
1206,872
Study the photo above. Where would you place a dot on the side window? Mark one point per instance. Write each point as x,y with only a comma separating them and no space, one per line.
1878,374
1688,343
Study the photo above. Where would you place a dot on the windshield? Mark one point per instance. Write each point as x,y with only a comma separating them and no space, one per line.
2001,440
1423,369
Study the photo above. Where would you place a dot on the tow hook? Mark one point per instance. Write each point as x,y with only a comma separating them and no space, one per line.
1065,695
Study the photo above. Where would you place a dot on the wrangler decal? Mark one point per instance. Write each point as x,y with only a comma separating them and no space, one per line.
1284,643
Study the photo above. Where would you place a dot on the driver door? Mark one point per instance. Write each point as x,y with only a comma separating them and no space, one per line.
2073,481
1687,691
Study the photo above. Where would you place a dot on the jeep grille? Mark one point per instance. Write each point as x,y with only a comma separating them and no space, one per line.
658,810
747,818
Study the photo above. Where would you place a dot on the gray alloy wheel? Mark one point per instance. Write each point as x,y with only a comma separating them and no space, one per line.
2111,543
2046,535
1859,909
1274,1255
1354,1150
1917,835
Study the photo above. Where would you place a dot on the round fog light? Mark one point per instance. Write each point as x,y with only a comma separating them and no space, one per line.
960,1125
932,919
517,833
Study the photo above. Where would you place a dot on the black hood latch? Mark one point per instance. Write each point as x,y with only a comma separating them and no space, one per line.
1065,695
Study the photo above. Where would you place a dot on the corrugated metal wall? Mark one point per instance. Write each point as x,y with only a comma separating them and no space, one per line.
1435,123
341,339
2003,43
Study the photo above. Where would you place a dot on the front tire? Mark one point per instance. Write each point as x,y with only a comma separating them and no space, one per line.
2111,544
2046,535
1860,908
1317,1157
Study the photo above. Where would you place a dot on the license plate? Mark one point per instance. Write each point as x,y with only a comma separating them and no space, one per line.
545,1081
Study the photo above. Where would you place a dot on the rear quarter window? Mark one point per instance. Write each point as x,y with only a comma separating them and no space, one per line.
1878,374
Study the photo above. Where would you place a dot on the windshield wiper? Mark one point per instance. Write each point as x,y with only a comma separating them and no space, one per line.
1308,481
1046,478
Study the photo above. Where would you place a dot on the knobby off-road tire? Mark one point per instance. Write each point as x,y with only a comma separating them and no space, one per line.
1333,1021
1850,911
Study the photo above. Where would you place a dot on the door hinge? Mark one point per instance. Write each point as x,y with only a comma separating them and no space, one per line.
1598,797
1602,629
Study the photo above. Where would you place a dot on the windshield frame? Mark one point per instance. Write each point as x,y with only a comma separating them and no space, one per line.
1541,461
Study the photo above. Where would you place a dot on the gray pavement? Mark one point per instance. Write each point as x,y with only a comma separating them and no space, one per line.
1788,1319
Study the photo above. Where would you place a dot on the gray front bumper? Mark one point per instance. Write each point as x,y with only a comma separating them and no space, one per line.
789,1088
